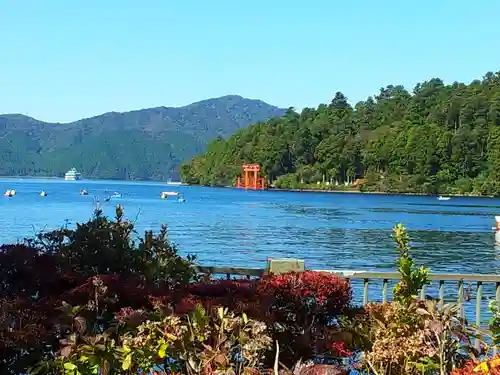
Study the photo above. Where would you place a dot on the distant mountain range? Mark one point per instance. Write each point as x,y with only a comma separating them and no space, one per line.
144,144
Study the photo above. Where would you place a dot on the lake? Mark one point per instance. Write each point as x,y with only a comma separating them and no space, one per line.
244,228
231,227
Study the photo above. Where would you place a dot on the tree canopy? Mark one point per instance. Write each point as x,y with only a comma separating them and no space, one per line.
438,138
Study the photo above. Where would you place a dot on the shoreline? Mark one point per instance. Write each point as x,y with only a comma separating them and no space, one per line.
373,192
271,189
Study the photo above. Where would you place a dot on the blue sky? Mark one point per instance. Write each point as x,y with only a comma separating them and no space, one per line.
64,60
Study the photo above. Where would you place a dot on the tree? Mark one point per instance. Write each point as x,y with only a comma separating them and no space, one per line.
438,139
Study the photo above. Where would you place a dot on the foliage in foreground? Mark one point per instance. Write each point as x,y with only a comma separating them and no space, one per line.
36,277
75,301
437,139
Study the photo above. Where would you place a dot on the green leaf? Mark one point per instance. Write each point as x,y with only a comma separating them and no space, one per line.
127,362
162,351
220,312
69,366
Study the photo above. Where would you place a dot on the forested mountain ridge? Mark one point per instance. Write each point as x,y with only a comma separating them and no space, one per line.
437,139
143,144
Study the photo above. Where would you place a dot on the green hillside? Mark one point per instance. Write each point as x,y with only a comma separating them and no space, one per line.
436,139
144,144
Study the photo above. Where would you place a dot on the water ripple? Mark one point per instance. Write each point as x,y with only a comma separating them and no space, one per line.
238,228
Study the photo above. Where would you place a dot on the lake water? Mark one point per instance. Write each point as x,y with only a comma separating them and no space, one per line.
243,228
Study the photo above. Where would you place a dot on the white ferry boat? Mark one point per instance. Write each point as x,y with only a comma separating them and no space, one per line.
72,175
174,183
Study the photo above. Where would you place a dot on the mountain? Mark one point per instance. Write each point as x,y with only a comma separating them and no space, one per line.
435,139
144,144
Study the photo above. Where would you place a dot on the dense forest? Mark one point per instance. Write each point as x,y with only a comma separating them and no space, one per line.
436,139
144,144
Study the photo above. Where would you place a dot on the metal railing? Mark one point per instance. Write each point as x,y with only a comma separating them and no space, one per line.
450,287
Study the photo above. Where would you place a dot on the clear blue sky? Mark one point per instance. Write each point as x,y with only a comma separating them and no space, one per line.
64,60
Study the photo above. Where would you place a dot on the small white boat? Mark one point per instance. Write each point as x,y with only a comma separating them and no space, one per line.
43,193
441,198
166,194
116,195
174,183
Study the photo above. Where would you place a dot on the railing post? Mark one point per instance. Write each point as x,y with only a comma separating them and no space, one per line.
277,266
441,293
461,298
365,291
422,293
479,296
384,290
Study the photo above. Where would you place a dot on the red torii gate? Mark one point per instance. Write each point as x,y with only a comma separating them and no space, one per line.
251,179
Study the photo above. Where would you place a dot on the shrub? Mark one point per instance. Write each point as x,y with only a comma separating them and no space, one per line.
409,336
413,278
237,295
62,265
412,339
103,246
197,344
27,272
300,309
24,331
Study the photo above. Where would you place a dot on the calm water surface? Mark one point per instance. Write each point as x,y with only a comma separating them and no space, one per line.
244,228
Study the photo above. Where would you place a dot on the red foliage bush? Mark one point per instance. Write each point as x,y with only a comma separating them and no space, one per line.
25,271
311,292
236,295
318,293
303,308
118,291
299,308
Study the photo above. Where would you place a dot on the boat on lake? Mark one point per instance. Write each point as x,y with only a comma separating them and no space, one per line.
72,175
174,183
166,194
441,198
